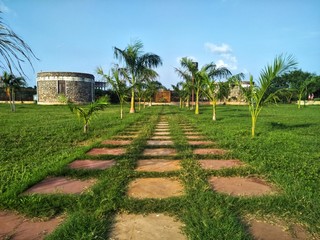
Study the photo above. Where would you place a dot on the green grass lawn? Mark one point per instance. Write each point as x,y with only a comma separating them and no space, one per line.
39,141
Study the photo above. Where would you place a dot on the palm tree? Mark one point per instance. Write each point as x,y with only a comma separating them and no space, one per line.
178,88
13,50
255,94
87,113
117,82
188,72
213,90
136,62
12,83
151,89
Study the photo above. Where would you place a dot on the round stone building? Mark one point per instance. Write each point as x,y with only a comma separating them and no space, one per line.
76,87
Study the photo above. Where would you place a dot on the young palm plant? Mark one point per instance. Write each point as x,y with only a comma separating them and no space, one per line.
213,89
255,94
117,81
87,113
137,63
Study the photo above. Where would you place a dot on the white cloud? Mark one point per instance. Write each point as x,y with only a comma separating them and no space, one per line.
224,52
219,49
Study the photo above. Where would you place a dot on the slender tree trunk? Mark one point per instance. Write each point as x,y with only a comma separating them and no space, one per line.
253,124
132,106
197,103
85,128
139,99
180,103
188,102
121,110
144,103
214,107
13,107
299,100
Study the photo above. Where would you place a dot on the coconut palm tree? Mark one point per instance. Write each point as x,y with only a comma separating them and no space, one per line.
117,81
87,113
136,62
178,88
255,93
11,84
13,50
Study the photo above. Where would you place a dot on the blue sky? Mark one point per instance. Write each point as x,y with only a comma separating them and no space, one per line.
243,35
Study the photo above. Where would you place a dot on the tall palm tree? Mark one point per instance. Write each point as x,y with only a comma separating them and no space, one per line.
11,84
136,62
117,82
13,50
255,94
178,88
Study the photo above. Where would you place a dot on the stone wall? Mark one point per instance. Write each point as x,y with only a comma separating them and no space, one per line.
76,87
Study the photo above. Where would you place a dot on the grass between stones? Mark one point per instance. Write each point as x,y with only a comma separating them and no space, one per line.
40,141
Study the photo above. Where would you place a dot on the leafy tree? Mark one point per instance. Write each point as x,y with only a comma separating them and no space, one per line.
152,88
137,63
13,50
178,88
87,113
256,94
118,84
11,84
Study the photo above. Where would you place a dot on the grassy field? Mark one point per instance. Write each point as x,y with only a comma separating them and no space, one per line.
39,141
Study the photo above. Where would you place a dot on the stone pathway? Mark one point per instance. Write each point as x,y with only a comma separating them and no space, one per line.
159,155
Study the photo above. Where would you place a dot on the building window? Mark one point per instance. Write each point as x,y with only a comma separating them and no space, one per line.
61,87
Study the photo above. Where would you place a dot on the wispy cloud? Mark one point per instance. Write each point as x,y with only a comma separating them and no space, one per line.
224,52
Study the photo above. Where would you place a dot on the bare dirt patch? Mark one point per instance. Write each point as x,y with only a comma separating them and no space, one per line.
208,151
219,164
92,164
16,227
54,185
160,152
154,188
158,165
117,142
238,186
106,151
159,142
145,227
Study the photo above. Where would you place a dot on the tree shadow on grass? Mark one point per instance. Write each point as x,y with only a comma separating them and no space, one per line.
278,125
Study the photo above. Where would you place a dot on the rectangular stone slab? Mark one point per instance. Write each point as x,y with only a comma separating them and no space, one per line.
158,165
106,151
160,152
92,164
159,142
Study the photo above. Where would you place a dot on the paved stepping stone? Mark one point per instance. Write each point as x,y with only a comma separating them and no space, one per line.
162,130
162,126
219,164
160,152
238,186
154,188
13,226
205,151
192,133
145,227
60,185
159,142
267,231
161,133
158,165
196,143
117,142
106,151
92,164
194,137
129,136
161,137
